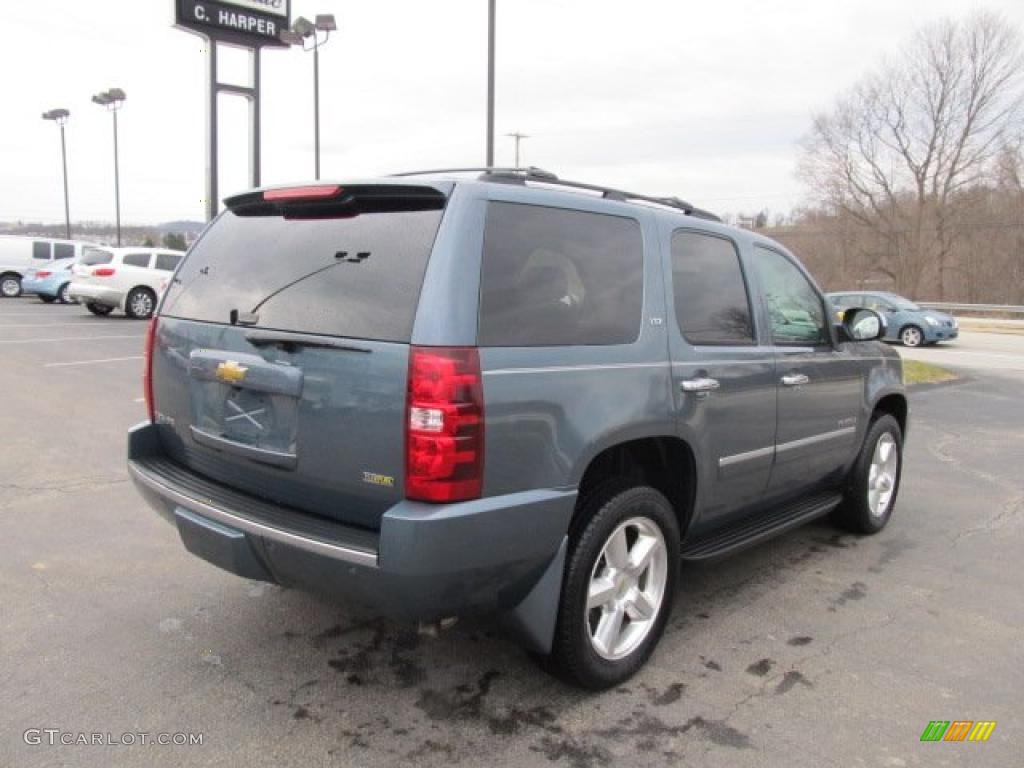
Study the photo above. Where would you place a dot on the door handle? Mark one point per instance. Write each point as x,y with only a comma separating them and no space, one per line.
702,384
794,379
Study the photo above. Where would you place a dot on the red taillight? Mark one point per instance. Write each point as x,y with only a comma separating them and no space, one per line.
444,443
147,370
43,273
103,272
316,192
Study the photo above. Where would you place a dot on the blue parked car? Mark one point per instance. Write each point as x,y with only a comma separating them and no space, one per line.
906,322
50,282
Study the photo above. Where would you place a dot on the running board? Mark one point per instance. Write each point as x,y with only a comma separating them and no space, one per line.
753,530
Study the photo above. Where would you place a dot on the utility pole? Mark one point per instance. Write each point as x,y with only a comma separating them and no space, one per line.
491,10
518,137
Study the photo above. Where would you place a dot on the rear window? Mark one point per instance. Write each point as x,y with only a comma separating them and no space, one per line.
93,256
356,276
136,260
63,251
554,277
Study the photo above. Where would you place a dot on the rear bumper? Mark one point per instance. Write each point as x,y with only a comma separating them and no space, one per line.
427,562
45,287
98,294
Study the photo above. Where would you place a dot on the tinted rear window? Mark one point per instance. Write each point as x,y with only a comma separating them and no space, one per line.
358,276
94,256
167,261
554,277
712,306
136,260
63,251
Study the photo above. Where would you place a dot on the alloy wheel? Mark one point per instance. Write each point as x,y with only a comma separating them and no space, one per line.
10,287
627,587
882,475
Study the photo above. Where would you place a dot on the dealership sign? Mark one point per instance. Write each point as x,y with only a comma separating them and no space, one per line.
250,23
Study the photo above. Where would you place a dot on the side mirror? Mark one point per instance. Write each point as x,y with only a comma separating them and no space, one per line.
862,324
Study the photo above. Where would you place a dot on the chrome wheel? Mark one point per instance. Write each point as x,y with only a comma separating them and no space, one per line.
10,287
911,337
885,464
142,305
627,587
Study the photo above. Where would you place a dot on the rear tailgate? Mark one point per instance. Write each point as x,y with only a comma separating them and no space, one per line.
90,259
282,347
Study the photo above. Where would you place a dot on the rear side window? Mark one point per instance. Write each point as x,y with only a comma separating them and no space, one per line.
136,260
553,277
712,305
63,251
357,275
93,256
167,261
40,250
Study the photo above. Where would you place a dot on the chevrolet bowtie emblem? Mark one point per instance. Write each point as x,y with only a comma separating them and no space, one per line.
231,372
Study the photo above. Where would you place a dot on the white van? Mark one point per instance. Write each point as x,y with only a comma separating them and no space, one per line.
19,254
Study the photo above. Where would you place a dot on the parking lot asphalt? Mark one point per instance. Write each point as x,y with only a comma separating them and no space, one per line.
817,649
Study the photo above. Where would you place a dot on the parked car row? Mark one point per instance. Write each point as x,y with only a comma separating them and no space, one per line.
101,278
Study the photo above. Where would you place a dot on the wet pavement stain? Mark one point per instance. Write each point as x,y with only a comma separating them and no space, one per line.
856,591
791,679
575,754
800,640
670,695
761,668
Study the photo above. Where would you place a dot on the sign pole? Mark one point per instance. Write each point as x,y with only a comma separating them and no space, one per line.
211,136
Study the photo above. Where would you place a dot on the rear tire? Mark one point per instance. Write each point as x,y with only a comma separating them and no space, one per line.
101,310
619,585
140,304
47,299
10,286
64,294
875,479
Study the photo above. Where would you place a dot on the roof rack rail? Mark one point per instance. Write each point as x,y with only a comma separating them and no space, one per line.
539,175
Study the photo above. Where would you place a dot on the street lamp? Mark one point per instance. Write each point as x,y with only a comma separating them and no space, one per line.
60,116
306,35
113,99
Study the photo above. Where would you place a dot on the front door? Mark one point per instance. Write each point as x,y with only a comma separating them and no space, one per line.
819,384
723,380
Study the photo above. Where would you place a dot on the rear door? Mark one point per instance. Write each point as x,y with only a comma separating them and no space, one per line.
819,384
723,378
282,348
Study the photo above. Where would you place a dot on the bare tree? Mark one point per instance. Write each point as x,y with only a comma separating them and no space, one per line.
897,150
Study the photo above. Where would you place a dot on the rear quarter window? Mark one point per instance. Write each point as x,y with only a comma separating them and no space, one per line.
40,250
63,251
93,256
136,260
555,277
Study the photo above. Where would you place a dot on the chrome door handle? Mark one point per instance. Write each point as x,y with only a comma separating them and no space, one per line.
699,385
794,379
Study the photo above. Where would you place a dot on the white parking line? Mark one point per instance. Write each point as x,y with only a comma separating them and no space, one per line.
69,338
90,362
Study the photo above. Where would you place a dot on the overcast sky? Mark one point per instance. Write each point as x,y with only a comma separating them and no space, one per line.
706,101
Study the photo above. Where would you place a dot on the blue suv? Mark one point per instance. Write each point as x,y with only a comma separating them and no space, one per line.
505,394
905,321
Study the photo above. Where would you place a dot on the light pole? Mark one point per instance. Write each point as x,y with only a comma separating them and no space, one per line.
60,116
518,137
306,34
113,99
491,11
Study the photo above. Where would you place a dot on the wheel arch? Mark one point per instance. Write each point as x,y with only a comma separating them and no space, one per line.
894,404
665,462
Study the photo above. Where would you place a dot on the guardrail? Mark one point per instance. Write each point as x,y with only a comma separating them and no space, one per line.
1010,309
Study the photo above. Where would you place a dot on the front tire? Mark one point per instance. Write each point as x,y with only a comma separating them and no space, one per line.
100,310
912,336
140,304
620,581
875,480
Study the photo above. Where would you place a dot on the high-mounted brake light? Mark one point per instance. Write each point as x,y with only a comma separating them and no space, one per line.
147,370
43,273
314,192
103,272
444,447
